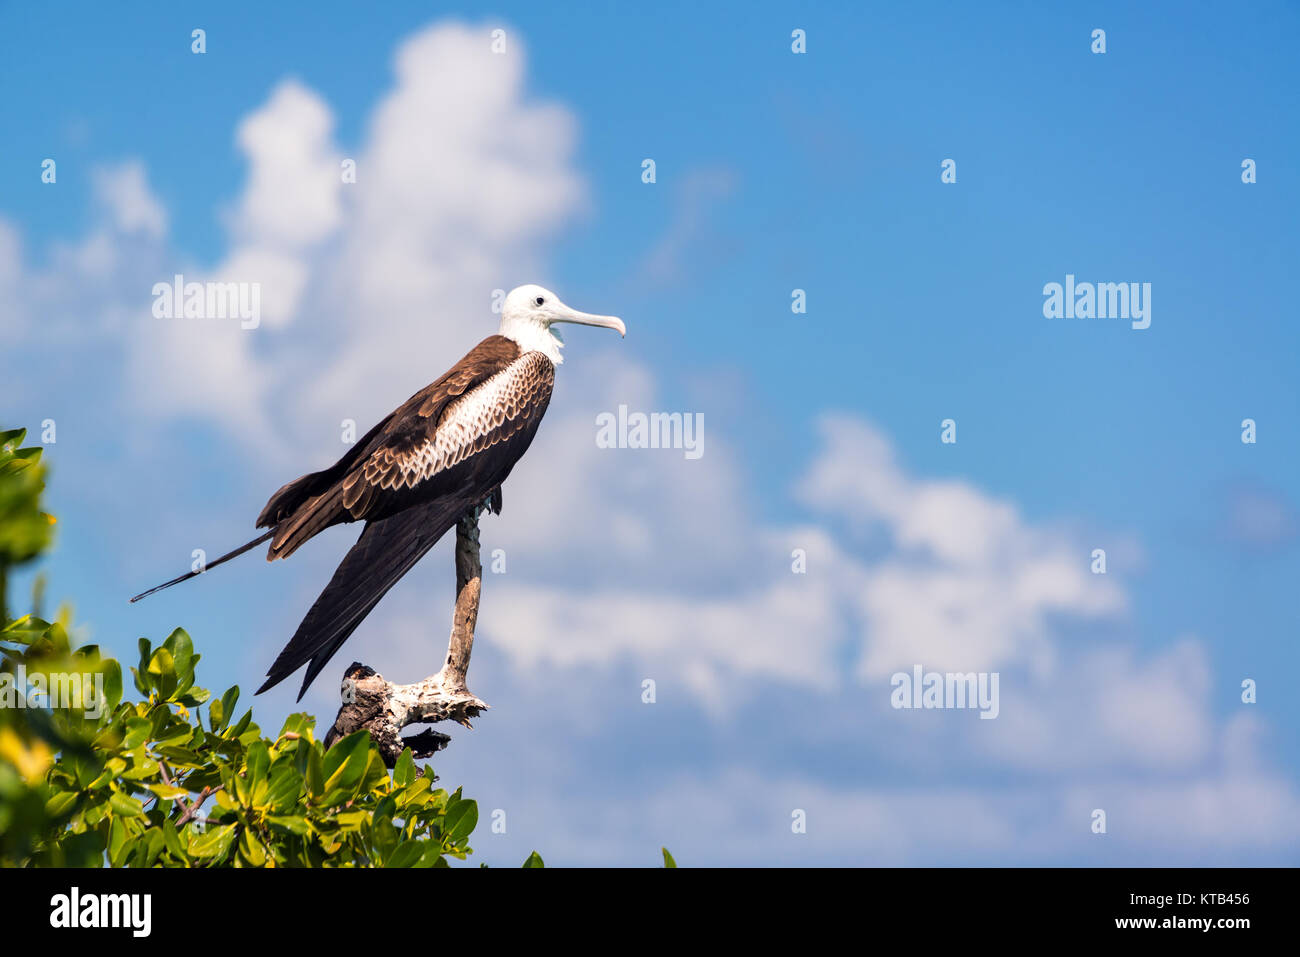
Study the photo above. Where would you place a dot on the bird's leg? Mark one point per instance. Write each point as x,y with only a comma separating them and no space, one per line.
490,504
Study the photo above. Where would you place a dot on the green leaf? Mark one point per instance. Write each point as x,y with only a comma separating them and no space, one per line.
460,821
60,803
220,712
242,725
291,823
182,757
167,792
95,811
193,697
163,666
534,860
148,847
214,842
285,786
404,769
315,775
124,805
383,833
180,647
161,662
385,809
173,841
116,842
408,854
250,848
414,795
432,857
298,723
668,858
352,820
137,733
258,763
112,684
344,765
376,774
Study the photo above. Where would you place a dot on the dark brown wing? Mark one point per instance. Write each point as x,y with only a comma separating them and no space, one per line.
386,551
314,502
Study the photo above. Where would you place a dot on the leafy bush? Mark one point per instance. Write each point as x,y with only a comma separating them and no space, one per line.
102,780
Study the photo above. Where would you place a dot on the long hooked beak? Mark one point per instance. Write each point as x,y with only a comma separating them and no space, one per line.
565,314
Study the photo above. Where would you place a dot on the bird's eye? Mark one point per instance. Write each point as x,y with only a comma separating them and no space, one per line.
539,301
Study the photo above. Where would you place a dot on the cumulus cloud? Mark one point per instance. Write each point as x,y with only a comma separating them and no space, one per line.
292,197
969,585
460,177
459,180
124,189
85,292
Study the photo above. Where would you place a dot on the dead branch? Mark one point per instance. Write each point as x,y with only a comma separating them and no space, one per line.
384,708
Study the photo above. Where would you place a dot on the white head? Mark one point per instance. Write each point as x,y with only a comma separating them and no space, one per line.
528,313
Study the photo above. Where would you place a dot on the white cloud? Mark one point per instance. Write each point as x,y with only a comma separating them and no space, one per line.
784,632
368,289
84,291
292,197
12,318
969,584
460,180
650,516
1105,706
124,190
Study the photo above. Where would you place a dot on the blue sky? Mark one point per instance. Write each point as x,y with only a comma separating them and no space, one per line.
775,171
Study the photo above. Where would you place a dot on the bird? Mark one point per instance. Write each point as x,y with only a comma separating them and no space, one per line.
441,454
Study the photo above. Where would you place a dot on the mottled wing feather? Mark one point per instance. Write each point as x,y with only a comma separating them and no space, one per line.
492,412
457,382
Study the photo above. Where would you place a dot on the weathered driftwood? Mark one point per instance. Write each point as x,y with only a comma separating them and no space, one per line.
384,708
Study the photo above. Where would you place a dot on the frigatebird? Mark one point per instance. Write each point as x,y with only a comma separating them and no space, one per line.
442,453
